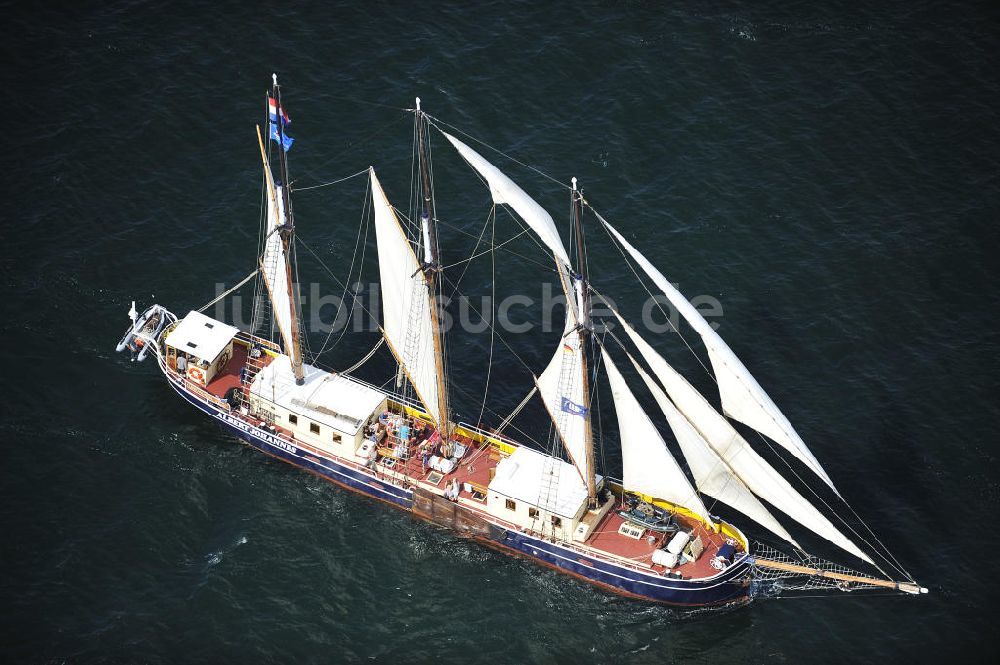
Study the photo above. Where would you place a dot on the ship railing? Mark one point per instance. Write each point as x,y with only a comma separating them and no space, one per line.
611,558
504,442
187,384
249,339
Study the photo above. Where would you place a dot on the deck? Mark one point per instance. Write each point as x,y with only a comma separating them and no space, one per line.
475,471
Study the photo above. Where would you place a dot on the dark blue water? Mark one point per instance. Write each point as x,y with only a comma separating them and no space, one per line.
828,173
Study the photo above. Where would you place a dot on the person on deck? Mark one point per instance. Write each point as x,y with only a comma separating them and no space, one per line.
399,451
447,449
426,452
421,433
453,489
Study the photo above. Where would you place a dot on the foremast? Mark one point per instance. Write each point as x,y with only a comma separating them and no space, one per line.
280,205
431,268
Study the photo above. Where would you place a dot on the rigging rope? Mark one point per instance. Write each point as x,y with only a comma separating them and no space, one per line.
332,182
350,271
223,295
493,297
366,357
517,409
496,150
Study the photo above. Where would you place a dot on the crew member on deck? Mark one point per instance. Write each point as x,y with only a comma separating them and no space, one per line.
426,452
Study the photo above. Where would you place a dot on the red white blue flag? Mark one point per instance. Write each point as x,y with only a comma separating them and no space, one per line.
272,111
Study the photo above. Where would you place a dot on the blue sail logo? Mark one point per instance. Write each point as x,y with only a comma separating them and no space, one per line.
572,407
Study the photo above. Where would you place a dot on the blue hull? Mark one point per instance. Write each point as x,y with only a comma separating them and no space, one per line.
729,586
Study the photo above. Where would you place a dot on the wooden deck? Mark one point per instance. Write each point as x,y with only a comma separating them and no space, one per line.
475,471
606,538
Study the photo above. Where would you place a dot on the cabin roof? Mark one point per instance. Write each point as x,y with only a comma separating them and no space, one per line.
201,336
519,477
333,400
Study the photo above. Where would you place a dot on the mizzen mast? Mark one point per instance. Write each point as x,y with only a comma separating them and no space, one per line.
583,330
431,267
287,234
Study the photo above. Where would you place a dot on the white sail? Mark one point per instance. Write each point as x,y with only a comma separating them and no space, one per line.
711,474
561,389
406,316
647,465
273,267
506,191
759,476
742,397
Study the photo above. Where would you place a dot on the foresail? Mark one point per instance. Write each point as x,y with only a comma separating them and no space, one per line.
561,388
506,191
759,476
742,397
406,319
273,267
647,465
711,475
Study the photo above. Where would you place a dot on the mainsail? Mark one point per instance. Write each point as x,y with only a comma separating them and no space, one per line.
506,191
273,266
561,388
742,397
759,476
647,465
406,319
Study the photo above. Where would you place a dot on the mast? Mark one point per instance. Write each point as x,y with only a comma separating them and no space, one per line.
287,233
580,283
431,267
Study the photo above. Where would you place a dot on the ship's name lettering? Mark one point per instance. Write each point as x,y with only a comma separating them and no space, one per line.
256,431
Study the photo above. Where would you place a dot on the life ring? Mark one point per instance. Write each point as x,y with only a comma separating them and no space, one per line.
196,374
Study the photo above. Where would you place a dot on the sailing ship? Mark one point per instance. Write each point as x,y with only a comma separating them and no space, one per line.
650,534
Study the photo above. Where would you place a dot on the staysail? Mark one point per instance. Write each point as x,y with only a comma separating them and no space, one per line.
406,318
647,465
711,474
506,191
272,264
742,397
759,476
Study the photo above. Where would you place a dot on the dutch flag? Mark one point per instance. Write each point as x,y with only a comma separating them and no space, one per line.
272,111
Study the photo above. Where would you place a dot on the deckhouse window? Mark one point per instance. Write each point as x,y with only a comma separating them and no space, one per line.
511,505
556,521
335,437
293,419
314,428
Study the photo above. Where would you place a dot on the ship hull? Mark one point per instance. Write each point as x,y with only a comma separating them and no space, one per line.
730,586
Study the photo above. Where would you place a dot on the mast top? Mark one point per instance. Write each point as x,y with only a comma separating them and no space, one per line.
418,103
274,79
574,183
